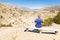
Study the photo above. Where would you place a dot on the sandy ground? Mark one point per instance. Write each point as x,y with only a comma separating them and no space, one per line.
13,33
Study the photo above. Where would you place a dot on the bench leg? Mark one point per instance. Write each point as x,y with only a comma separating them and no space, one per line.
26,30
39,31
55,32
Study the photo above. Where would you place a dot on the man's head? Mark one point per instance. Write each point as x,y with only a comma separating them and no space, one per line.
38,16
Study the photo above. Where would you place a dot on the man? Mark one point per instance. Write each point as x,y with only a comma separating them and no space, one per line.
38,22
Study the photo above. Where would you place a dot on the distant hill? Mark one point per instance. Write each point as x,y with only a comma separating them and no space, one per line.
57,8
51,8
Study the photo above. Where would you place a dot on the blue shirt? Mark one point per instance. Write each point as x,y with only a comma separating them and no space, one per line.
38,22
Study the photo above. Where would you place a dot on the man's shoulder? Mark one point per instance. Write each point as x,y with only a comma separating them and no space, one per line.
38,19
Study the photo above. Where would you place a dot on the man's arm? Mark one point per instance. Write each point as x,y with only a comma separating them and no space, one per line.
35,20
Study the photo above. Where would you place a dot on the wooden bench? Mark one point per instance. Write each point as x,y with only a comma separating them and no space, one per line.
40,29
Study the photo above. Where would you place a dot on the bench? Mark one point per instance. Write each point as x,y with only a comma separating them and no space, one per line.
40,29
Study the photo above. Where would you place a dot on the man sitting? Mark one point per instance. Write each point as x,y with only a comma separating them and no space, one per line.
38,22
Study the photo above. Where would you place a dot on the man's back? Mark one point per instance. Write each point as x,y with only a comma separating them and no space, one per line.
38,22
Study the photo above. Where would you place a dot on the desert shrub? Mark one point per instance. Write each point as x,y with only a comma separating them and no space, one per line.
5,25
4,10
52,11
48,22
57,18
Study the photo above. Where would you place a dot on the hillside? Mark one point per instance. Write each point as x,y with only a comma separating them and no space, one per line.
15,16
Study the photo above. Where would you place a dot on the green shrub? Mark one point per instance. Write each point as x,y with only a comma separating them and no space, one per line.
57,18
48,22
